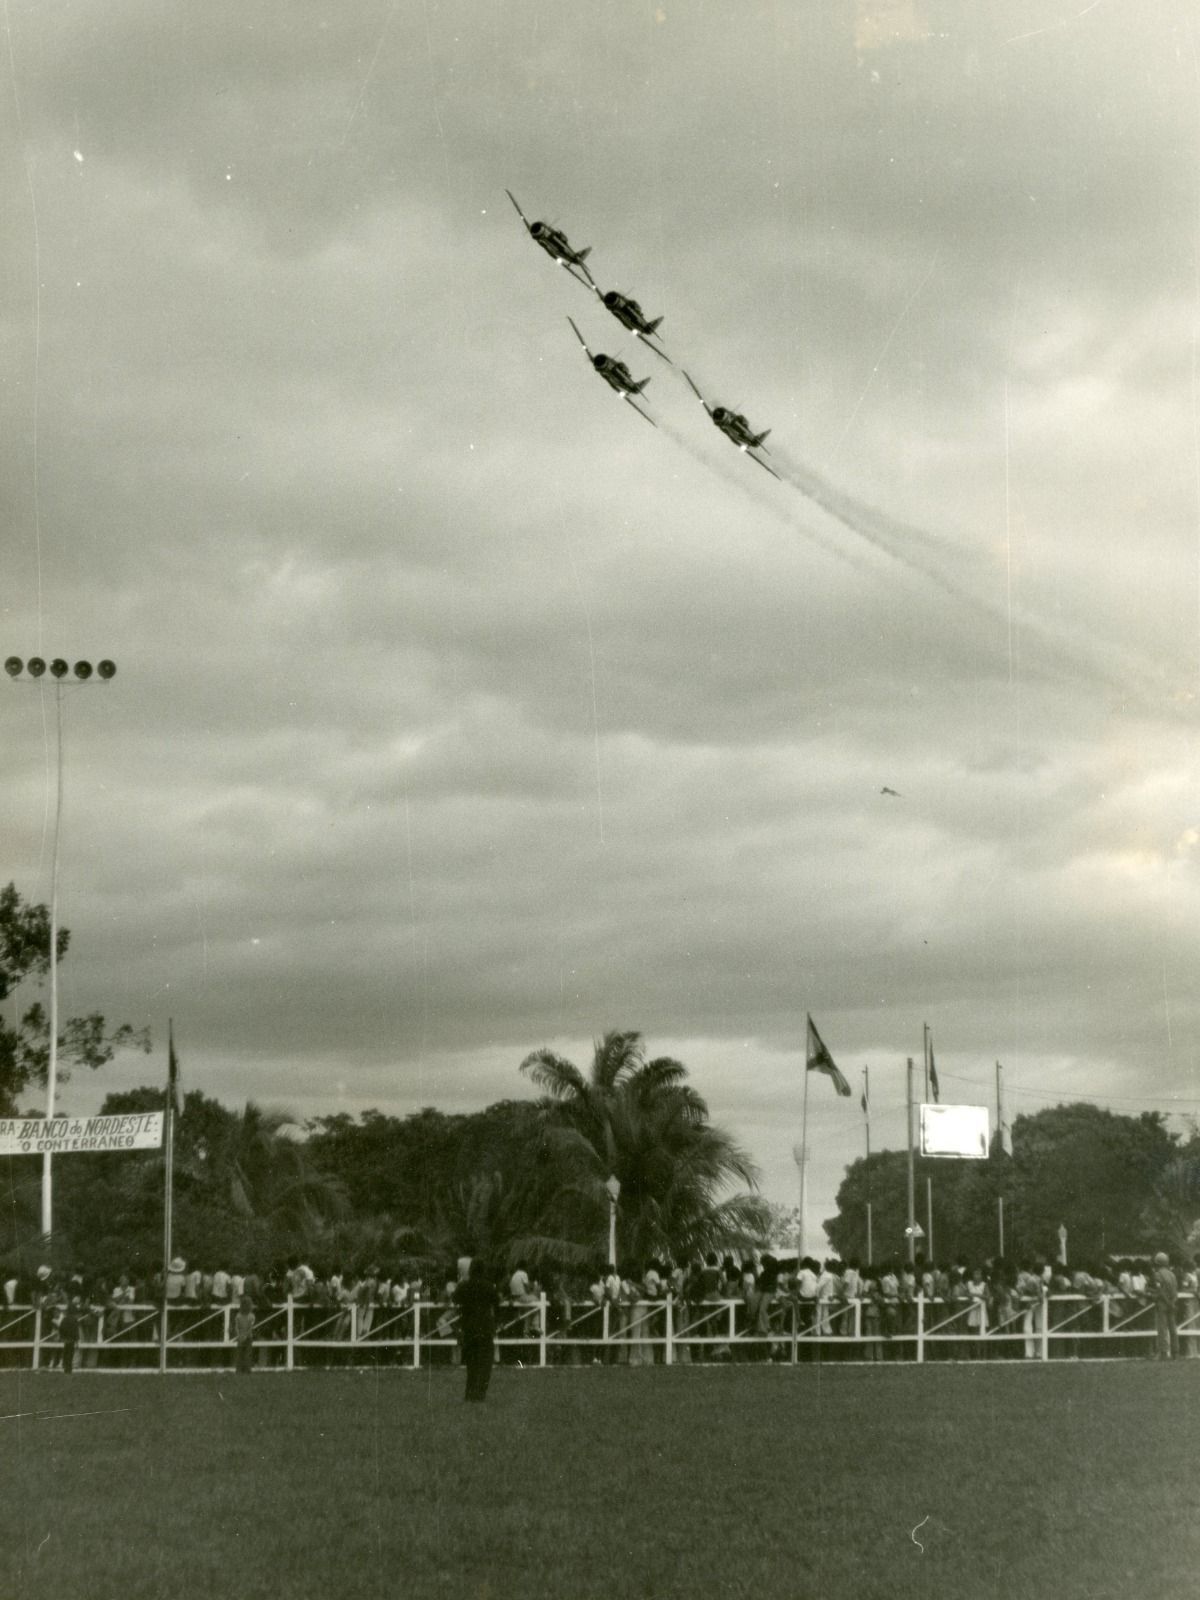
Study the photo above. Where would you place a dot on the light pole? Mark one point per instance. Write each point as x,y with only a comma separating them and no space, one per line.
614,1194
33,670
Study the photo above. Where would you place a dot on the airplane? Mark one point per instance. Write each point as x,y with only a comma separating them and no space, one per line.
734,426
895,793
631,316
617,375
554,242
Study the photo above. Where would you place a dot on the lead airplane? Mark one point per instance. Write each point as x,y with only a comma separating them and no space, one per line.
735,427
554,242
616,375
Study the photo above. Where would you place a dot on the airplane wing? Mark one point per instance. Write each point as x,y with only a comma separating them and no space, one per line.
694,390
640,412
581,339
645,338
764,466
578,270
519,212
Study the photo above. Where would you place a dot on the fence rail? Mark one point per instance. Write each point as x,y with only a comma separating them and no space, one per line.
538,1332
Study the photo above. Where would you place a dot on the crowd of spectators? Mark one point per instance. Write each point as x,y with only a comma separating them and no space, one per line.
722,1308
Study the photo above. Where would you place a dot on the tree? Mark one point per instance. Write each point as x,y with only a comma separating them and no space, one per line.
1106,1177
435,1186
246,1194
642,1123
25,1044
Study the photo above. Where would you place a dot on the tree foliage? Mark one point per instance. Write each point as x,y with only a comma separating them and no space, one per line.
641,1122
1107,1178
25,1043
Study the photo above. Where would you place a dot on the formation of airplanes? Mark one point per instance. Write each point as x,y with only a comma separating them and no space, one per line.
630,315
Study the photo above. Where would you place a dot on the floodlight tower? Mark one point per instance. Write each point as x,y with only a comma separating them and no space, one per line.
32,671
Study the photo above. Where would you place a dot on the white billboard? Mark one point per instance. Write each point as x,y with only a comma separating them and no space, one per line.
958,1132
34,1136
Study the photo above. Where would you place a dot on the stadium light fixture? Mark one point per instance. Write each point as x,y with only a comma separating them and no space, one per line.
34,669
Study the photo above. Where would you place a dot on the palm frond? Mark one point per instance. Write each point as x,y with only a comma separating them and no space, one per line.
554,1075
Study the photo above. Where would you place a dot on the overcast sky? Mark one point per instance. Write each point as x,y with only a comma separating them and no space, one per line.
459,712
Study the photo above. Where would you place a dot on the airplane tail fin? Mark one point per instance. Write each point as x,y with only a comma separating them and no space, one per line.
582,255
638,387
651,326
760,437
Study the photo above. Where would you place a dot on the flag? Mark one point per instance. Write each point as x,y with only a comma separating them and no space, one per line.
933,1083
1003,1128
819,1060
174,1087
866,1104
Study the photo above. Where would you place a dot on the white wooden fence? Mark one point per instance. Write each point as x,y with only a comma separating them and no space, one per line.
539,1333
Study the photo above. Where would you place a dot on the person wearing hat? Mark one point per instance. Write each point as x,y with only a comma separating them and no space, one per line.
42,1285
176,1278
1165,1289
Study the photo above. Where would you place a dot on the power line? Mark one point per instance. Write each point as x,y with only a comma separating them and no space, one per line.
1095,1099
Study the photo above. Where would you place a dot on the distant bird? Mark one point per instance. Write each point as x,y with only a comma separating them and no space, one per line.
895,793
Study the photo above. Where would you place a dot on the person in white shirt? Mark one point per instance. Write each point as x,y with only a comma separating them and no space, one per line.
806,1295
518,1284
826,1287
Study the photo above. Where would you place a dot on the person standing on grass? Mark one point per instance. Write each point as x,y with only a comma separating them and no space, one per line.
68,1332
478,1302
1165,1288
243,1332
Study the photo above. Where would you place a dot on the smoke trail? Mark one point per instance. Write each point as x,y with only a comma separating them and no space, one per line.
929,558
919,551
761,496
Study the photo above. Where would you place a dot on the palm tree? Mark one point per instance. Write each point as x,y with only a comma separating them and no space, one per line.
254,1163
641,1122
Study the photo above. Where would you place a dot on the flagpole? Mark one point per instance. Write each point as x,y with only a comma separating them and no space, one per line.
999,1107
928,1219
912,1213
928,1179
803,1170
867,1111
168,1188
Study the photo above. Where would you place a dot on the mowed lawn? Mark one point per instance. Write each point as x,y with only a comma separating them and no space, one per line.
1066,1480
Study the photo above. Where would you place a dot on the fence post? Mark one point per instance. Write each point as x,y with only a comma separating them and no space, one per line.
920,1326
795,1336
417,1332
1104,1313
669,1350
1045,1325
291,1354
37,1337
542,1329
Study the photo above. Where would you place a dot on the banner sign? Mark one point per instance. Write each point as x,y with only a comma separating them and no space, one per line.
35,1136
955,1131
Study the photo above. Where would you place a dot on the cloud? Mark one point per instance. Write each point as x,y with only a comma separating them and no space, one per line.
457,710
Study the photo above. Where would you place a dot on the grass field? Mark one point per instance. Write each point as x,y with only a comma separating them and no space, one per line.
1064,1481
